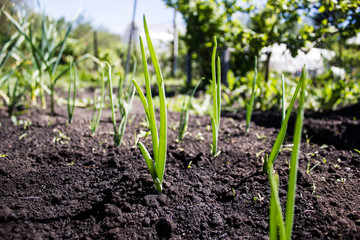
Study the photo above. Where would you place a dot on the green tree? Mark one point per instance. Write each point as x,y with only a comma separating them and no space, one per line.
204,20
6,28
341,19
275,21
278,22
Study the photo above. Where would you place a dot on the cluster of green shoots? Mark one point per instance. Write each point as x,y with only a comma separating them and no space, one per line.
9,50
46,55
95,119
278,228
125,103
156,164
216,94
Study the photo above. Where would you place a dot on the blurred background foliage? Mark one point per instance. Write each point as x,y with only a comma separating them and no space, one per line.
244,28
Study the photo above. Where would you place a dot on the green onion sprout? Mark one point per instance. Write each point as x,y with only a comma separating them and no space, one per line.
72,87
281,135
250,104
95,118
48,54
216,94
156,164
276,217
124,109
184,116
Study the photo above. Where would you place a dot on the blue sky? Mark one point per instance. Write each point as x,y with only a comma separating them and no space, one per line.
114,15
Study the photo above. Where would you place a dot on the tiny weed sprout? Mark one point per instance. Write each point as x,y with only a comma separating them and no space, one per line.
308,169
281,135
184,116
250,104
156,164
277,224
216,94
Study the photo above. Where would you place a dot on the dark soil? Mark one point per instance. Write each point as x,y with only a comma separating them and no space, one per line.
59,182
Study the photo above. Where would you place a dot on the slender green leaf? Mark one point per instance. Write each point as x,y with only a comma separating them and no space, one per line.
150,105
97,116
142,98
62,73
218,93
250,105
160,163
215,136
213,71
159,144
290,203
112,102
148,160
276,202
273,217
281,135
62,44
72,86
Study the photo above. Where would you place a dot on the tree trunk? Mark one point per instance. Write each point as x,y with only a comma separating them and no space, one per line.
225,65
188,67
127,66
96,52
267,66
174,48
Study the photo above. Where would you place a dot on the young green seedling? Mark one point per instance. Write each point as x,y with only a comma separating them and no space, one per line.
156,164
184,116
125,99
294,161
48,53
124,109
72,87
281,135
14,92
125,106
216,94
95,118
276,217
250,104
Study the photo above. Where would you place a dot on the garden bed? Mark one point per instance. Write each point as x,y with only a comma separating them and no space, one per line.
60,182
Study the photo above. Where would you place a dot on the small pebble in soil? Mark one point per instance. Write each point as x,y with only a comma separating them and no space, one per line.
164,228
